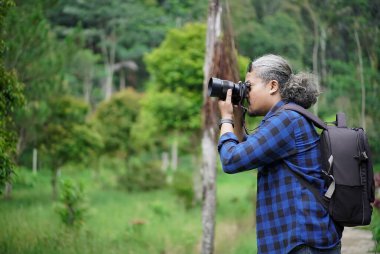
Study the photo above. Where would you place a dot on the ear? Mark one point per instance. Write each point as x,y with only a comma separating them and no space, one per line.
274,87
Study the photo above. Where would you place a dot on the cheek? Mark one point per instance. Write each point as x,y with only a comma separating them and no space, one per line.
252,93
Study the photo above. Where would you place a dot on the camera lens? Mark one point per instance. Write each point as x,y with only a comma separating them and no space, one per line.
218,88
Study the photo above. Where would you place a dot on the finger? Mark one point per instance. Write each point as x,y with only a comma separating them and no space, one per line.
229,95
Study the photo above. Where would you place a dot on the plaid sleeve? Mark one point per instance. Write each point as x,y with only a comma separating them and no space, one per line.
272,141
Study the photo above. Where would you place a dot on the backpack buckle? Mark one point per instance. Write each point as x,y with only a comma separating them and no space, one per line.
331,189
362,156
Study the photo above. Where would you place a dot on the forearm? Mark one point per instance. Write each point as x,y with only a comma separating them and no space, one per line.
226,127
232,116
238,129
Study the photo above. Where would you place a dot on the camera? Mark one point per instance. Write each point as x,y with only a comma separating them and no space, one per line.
218,88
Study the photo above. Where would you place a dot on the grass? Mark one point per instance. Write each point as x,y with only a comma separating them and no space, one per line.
121,222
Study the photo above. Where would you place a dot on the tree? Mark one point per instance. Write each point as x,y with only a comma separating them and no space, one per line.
174,93
114,120
220,61
120,31
11,97
67,136
208,170
42,63
84,71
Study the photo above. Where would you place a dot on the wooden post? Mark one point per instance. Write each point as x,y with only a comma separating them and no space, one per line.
35,161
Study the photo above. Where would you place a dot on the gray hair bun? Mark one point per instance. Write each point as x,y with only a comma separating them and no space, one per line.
301,89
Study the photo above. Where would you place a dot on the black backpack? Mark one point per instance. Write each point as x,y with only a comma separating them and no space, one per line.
348,171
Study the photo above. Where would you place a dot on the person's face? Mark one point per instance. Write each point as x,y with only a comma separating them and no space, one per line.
258,96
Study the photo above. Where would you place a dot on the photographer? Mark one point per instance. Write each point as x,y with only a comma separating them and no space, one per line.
289,218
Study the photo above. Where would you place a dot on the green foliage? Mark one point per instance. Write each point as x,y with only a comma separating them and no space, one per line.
84,70
185,10
243,64
375,226
183,187
114,120
32,51
175,111
67,111
161,210
67,137
176,65
142,174
260,38
105,23
173,99
11,97
42,62
24,178
72,207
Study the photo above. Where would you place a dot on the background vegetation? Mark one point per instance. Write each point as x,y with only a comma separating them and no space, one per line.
100,115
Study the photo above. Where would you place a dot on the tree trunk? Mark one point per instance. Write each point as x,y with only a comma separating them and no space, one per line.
54,182
208,170
109,61
361,77
220,62
174,158
209,189
122,79
108,82
87,87
371,42
20,143
323,55
8,190
315,47
165,161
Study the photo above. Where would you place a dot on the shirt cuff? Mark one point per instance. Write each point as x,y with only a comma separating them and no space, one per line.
227,137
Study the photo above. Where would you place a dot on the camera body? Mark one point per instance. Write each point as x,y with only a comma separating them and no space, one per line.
218,88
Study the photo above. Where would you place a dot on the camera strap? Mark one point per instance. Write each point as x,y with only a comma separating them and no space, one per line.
243,119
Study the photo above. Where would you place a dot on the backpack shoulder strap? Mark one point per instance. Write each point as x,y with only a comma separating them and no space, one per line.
323,200
317,122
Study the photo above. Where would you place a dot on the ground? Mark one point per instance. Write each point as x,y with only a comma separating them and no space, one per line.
357,241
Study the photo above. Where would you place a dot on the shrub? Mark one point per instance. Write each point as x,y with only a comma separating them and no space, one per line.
72,207
375,224
24,178
183,187
114,119
142,174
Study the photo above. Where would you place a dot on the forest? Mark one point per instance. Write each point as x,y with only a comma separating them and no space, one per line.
101,115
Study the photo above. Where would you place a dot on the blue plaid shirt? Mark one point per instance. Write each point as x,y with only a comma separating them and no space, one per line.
287,214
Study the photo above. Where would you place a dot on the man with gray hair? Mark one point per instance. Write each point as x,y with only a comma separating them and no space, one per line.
289,217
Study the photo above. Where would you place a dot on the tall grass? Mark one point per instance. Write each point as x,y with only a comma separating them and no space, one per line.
121,222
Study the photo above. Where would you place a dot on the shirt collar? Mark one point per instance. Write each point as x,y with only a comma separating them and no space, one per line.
274,109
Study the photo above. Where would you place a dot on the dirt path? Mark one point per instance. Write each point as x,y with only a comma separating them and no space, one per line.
357,241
